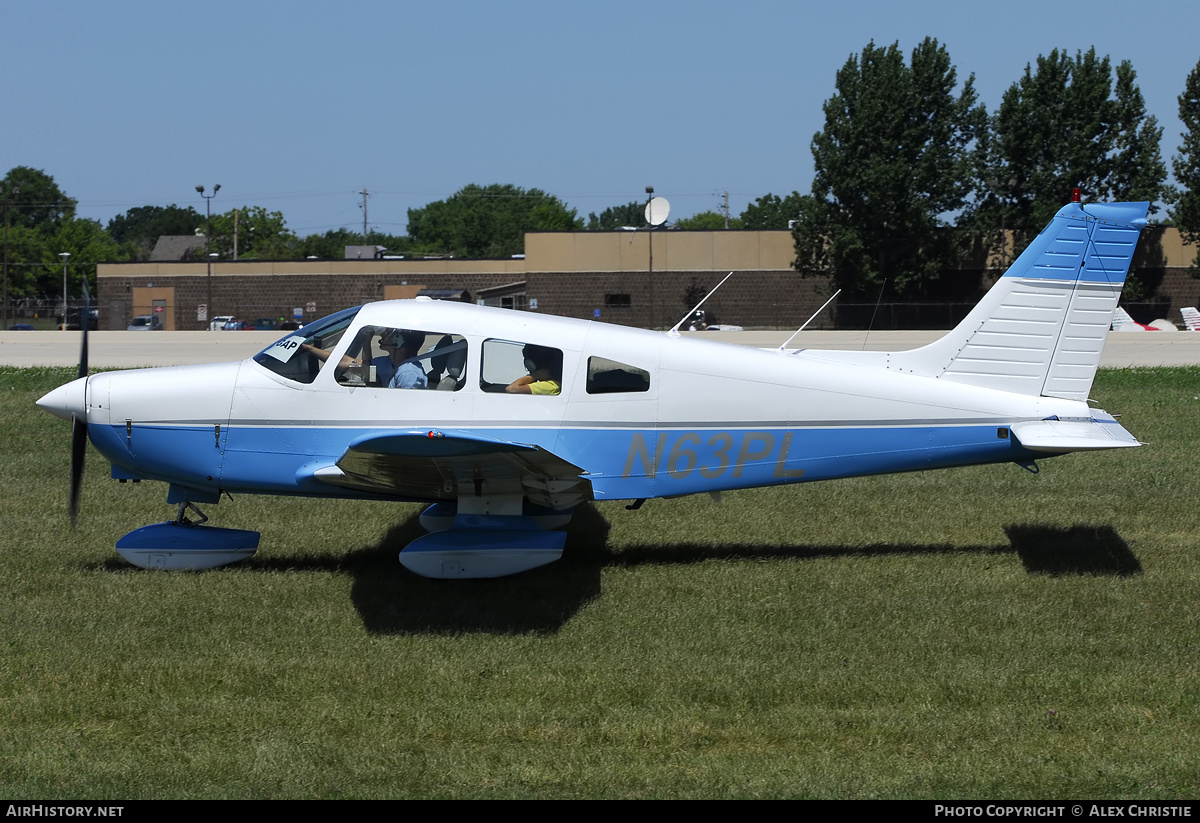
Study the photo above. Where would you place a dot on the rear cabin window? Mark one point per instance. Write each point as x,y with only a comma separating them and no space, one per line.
606,376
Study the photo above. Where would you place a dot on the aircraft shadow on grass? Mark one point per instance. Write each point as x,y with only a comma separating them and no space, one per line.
1078,550
392,600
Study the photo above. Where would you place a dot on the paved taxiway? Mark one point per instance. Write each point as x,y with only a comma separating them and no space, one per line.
122,349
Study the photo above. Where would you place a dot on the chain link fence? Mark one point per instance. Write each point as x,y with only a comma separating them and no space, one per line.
43,314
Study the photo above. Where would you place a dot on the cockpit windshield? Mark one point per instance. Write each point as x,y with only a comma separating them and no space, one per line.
299,356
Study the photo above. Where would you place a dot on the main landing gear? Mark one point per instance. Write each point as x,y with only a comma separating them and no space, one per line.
464,545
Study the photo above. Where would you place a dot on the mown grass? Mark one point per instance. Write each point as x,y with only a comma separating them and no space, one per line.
979,632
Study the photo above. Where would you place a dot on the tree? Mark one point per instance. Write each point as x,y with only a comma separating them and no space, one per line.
332,244
35,266
1138,171
1186,165
708,221
616,217
36,201
329,246
1061,126
139,228
27,249
261,235
42,224
487,221
772,212
895,155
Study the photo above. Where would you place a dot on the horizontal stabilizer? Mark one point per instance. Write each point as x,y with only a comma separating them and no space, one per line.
1061,436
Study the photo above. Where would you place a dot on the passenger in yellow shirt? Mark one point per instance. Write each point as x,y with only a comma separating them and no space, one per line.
545,372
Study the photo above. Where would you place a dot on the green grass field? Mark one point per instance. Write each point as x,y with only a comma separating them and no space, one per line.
972,633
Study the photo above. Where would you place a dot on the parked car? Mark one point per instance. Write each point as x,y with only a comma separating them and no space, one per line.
266,324
236,325
219,322
145,322
20,327
73,320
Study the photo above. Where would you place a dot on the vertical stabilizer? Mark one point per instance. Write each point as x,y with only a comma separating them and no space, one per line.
1041,329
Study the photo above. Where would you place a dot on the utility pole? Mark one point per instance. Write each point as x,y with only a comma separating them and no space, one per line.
365,194
727,209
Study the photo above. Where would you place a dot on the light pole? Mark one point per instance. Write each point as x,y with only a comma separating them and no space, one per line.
650,243
208,251
64,255
7,199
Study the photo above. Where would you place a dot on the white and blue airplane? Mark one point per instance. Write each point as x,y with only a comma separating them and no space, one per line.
505,421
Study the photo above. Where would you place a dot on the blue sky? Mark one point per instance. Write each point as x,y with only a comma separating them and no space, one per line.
296,106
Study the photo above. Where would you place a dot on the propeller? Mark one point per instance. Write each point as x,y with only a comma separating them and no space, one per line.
79,435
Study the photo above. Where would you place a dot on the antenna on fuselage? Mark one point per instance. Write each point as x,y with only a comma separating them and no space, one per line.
674,332
809,320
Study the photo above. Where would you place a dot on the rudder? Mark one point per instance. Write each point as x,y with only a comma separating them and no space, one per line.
1041,329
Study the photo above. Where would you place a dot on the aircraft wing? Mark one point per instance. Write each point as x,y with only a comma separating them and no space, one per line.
438,465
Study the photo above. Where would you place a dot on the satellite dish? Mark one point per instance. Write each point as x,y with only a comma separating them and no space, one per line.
657,210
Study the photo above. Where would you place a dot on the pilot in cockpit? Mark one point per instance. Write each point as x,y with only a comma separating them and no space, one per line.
350,369
381,365
402,347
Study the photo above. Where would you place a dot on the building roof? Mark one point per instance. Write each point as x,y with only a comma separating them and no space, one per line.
177,247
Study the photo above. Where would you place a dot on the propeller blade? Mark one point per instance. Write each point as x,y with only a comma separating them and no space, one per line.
79,427
83,350
78,449
85,319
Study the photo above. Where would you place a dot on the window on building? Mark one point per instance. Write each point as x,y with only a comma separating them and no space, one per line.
508,296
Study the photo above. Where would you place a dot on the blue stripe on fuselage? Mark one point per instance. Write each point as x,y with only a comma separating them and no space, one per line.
620,463
650,463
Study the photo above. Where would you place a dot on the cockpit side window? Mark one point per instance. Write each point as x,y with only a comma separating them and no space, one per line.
521,368
386,357
606,376
301,354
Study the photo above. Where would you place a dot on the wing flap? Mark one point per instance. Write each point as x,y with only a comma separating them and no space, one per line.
448,466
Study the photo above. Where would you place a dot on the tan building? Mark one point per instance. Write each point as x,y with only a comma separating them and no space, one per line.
625,277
